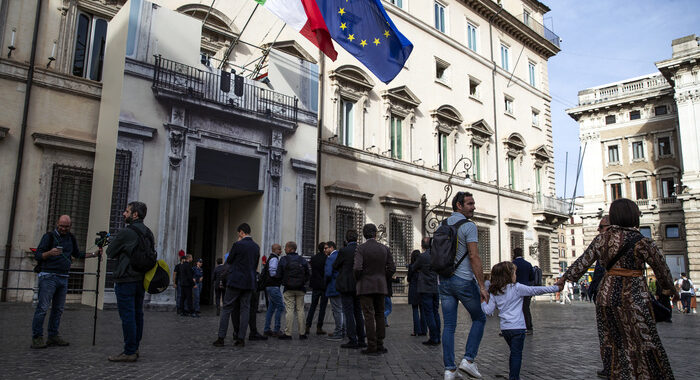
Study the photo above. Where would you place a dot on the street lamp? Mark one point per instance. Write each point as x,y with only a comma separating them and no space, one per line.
431,219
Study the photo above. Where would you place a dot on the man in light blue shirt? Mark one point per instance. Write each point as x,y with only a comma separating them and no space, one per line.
466,285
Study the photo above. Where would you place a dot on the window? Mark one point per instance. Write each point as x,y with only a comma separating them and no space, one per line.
89,50
508,104
71,188
538,184
573,240
471,36
396,148
511,172
346,120
610,119
474,88
531,71
613,154
526,18
635,115
516,241
484,245
476,162
672,231
442,151
535,118
640,188
562,253
400,238
668,187
638,150
573,253
441,70
504,57
646,231
348,218
543,245
439,17
664,144
615,191
660,110
308,228
398,3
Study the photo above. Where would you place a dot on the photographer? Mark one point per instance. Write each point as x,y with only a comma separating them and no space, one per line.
128,283
54,256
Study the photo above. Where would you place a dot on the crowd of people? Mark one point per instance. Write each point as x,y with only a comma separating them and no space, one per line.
357,281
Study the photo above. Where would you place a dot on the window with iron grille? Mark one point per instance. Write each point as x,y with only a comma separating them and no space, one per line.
71,189
120,197
348,218
484,236
400,238
543,245
308,228
516,241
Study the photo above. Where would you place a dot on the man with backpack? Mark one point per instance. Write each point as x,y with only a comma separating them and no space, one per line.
294,271
134,250
685,287
454,255
218,283
54,258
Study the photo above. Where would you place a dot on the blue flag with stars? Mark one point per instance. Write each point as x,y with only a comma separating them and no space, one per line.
364,30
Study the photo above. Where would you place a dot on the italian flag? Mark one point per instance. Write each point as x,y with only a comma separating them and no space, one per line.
304,17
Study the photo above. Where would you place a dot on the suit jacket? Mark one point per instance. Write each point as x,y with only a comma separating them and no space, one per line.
345,283
427,279
243,262
372,267
524,273
318,268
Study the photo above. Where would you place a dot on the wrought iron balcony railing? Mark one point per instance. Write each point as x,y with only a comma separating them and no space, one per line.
203,85
540,29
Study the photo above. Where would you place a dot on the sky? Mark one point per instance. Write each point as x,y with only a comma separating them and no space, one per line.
605,41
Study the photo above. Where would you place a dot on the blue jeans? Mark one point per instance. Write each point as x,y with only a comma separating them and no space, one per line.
515,340
276,307
454,290
130,304
387,309
419,325
52,291
429,308
196,292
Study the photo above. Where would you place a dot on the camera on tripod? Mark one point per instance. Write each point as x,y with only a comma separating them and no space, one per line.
102,239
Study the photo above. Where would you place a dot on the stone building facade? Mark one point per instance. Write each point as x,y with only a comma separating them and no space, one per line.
634,135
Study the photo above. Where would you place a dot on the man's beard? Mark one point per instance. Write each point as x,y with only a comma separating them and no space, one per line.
128,220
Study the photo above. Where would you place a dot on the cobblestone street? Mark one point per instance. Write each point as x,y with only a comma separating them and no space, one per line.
564,346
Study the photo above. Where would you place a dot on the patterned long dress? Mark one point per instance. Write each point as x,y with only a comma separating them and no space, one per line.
629,343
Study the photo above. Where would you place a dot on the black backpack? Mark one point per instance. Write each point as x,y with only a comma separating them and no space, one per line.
443,249
685,285
537,273
144,256
294,275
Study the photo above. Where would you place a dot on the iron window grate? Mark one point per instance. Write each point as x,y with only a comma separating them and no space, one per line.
308,245
516,241
400,237
348,218
543,245
484,236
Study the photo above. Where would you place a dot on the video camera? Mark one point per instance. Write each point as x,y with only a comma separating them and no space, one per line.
102,239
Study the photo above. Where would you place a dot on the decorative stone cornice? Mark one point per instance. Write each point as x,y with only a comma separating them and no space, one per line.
393,200
53,80
303,166
139,131
516,222
45,140
347,190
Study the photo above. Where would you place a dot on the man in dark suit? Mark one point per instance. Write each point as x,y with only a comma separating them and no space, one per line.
240,282
428,292
318,285
345,284
373,265
526,276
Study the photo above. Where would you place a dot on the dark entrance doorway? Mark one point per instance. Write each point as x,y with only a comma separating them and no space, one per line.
201,240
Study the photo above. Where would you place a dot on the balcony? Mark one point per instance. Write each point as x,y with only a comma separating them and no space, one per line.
554,210
176,80
620,90
540,29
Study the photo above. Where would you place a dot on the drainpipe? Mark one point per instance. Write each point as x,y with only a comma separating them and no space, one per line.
495,129
20,154
319,136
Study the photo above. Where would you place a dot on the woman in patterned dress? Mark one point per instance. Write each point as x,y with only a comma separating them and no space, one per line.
629,343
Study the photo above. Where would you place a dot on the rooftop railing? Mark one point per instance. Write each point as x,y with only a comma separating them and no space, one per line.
539,29
619,90
205,85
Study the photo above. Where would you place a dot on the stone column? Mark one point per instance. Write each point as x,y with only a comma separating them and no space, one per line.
271,234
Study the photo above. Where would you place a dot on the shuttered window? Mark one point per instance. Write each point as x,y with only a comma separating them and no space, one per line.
348,218
308,229
400,238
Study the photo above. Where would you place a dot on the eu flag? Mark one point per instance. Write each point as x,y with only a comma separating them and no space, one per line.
363,28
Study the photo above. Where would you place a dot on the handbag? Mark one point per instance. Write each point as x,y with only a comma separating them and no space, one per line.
661,312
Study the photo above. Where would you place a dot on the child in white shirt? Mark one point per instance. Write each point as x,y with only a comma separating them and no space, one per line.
506,295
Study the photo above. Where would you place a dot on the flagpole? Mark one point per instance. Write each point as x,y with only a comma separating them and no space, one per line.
319,135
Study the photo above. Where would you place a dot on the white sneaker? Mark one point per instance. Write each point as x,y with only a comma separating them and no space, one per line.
470,368
451,375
